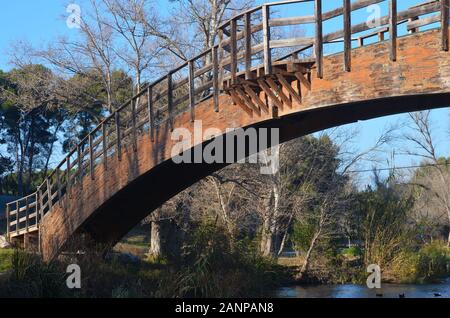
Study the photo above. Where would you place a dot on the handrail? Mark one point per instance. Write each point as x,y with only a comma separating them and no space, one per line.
204,75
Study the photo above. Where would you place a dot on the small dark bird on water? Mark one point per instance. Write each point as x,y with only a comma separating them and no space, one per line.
437,295
401,295
379,295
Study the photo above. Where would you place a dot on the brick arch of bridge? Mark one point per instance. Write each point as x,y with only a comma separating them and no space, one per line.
112,203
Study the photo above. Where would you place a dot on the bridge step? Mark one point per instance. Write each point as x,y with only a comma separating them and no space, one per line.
282,87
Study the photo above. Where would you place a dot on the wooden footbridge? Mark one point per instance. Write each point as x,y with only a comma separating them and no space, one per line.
253,77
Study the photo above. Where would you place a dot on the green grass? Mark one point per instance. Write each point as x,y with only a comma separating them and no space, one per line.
5,260
351,252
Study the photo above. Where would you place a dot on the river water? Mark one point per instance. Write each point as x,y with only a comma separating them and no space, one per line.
361,291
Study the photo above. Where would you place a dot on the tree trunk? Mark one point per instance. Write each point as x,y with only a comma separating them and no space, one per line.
109,90
285,235
266,233
30,169
224,206
269,241
155,236
266,238
283,242
312,245
155,240
20,178
306,262
166,238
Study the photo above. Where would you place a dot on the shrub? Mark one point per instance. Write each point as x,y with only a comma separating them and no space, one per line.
433,260
214,266
428,264
30,277
5,260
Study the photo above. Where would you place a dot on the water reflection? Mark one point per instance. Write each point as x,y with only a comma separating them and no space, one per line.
361,291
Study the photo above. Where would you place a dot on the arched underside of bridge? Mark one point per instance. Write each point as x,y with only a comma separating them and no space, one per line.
126,191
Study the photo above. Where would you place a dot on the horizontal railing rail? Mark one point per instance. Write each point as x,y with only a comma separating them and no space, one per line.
245,42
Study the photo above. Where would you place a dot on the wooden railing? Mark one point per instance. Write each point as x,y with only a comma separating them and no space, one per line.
245,41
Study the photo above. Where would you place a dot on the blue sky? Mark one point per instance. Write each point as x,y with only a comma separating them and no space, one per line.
41,21
36,21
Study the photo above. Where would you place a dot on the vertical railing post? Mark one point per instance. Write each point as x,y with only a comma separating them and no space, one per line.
151,116
191,90
105,146
266,40
444,24
360,41
393,30
248,45
36,207
17,217
80,166
413,30
318,43
170,100
221,66
37,211
133,123
91,156
68,176
216,92
8,209
38,204
119,137
41,203
347,36
233,50
27,214
49,195
58,184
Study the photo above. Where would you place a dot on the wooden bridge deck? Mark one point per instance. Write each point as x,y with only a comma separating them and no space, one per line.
91,187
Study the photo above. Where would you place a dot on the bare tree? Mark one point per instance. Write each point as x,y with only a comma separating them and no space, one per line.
437,182
91,54
203,18
229,204
139,26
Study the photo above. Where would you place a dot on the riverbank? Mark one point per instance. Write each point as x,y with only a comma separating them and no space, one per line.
429,263
211,265
122,277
